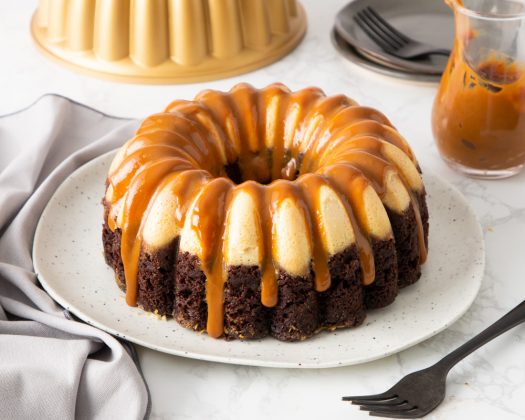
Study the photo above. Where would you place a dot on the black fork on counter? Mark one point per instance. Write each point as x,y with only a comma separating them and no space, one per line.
418,393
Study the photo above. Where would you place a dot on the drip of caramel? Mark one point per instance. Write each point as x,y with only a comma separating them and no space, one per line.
207,221
310,186
286,146
139,192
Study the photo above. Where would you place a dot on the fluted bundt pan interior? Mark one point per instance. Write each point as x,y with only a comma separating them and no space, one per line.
167,41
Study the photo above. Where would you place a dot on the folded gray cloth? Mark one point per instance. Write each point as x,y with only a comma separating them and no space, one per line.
52,367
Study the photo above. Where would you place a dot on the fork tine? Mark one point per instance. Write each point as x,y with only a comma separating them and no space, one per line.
372,12
383,407
389,402
381,30
408,414
377,397
378,31
382,43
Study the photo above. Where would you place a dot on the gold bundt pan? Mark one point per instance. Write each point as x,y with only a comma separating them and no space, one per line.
167,41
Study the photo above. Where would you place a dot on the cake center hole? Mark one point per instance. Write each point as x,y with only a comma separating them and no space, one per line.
258,168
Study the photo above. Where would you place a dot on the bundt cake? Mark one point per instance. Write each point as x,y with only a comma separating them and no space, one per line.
265,212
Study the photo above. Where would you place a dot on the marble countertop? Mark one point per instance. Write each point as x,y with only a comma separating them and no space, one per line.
490,384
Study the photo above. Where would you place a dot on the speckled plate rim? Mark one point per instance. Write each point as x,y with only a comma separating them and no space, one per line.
384,332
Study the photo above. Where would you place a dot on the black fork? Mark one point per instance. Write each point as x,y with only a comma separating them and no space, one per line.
390,39
418,393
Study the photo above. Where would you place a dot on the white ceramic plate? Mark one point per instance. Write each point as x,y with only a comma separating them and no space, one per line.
68,259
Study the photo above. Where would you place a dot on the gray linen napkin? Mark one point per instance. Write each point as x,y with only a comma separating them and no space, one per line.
52,367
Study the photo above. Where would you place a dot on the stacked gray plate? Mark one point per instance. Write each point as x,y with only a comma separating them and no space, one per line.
428,21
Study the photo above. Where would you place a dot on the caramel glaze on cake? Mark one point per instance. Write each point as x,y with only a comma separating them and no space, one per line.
259,212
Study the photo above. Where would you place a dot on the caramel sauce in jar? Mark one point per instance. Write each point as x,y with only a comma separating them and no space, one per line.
478,118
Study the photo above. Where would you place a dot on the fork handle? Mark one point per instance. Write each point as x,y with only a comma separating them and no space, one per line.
515,317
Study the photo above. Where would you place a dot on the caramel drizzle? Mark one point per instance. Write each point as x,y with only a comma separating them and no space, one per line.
139,192
209,227
263,198
310,186
367,154
280,98
186,148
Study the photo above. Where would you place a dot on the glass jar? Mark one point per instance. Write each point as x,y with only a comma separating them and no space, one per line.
478,119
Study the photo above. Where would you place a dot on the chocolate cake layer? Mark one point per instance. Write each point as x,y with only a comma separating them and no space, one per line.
245,316
108,243
190,310
384,289
156,279
407,246
423,209
112,242
296,315
342,305
404,227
